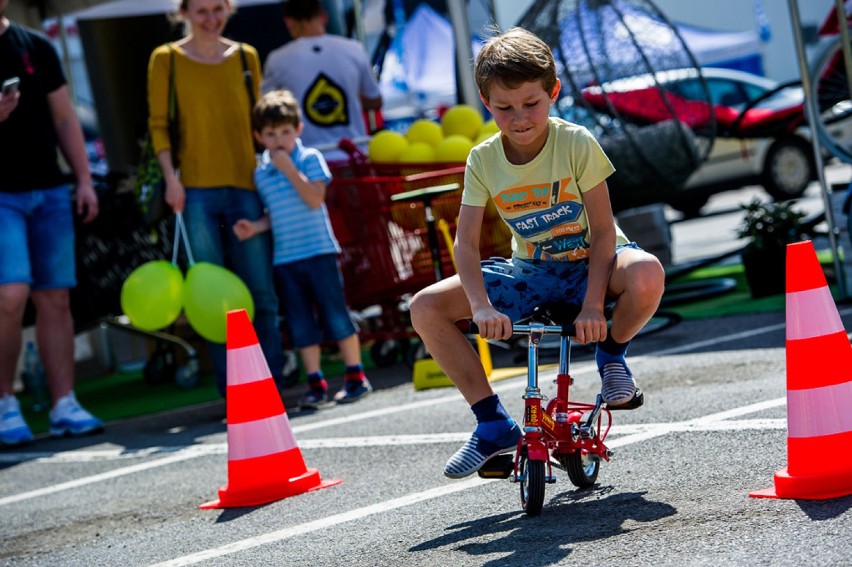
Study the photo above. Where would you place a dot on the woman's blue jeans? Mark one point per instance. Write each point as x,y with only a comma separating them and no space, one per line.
209,215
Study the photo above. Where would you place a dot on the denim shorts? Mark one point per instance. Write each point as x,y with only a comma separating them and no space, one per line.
313,301
516,287
37,239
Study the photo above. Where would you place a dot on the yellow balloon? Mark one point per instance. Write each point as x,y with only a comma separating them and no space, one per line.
212,291
482,137
454,148
462,119
418,152
426,131
386,146
152,295
490,127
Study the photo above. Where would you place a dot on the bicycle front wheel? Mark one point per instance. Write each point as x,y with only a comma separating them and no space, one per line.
532,485
830,90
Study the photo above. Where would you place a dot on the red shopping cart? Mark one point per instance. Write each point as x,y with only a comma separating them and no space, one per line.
387,255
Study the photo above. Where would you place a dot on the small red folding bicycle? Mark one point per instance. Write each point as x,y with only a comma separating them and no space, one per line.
557,432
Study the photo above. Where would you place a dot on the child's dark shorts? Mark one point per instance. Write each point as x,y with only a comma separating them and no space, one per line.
516,287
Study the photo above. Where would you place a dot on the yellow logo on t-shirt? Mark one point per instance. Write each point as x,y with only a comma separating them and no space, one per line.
325,103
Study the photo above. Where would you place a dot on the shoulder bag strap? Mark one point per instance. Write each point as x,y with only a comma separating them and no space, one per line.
172,113
247,76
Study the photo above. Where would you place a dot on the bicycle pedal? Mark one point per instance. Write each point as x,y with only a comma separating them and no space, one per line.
637,401
499,466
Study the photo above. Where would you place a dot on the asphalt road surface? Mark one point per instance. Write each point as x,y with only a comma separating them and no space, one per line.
676,492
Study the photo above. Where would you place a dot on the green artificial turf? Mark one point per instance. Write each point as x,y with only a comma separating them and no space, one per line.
123,395
738,301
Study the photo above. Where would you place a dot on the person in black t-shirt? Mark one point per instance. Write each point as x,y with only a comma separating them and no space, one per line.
36,225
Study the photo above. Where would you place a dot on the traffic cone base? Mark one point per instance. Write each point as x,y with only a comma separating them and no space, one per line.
818,487
427,374
269,491
819,387
264,461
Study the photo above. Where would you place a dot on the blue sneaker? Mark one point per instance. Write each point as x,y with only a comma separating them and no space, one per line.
352,391
68,418
313,400
13,429
476,453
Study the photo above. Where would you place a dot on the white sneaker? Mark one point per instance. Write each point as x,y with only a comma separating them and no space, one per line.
69,418
13,429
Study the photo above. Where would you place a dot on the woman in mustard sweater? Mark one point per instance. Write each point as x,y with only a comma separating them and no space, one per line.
214,186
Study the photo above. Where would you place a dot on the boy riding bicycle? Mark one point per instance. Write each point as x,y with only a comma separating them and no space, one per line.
547,179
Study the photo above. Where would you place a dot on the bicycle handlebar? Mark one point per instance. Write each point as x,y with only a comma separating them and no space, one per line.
529,328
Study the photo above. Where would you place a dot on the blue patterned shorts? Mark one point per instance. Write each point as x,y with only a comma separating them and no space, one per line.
516,287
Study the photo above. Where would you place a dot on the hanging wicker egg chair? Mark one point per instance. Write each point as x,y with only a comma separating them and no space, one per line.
628,76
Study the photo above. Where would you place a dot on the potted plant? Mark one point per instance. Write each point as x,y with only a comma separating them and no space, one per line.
769,228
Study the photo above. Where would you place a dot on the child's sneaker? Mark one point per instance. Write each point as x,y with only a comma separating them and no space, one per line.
352,391
13,429
618,387
476,452
313,400
67,417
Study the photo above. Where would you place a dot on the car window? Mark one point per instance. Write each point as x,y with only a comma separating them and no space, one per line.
753,91
689,89
726,93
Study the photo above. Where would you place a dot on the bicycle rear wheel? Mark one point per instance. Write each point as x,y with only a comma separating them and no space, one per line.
830,90
582,469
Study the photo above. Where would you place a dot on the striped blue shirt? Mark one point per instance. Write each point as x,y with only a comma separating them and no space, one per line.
298,231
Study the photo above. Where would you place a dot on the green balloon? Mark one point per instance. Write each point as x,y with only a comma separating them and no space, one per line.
152,295
210,292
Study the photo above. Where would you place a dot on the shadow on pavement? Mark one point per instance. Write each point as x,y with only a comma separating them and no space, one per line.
568,518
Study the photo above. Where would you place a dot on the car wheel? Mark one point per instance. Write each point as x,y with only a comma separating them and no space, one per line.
788,169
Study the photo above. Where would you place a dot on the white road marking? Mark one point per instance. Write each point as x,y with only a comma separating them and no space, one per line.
324,523
189,454
654,430
200,450
93,456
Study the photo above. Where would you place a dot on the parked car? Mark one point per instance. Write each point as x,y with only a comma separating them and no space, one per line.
761,136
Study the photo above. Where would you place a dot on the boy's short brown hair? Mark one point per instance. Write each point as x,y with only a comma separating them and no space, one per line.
512,58
276,108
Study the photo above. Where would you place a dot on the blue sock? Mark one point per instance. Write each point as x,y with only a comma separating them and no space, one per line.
610,351
492,419
354,373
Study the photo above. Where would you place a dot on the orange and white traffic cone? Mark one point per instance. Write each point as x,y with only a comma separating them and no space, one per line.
819,387
264,462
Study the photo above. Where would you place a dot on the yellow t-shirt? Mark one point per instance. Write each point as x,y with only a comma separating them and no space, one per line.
541,201
214,115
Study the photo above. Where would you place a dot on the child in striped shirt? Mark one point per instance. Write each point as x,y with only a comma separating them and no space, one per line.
291,181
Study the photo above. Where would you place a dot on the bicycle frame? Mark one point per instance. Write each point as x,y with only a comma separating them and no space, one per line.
560,428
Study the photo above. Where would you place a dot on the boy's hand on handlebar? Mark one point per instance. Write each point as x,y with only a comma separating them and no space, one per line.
590,326
492,324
